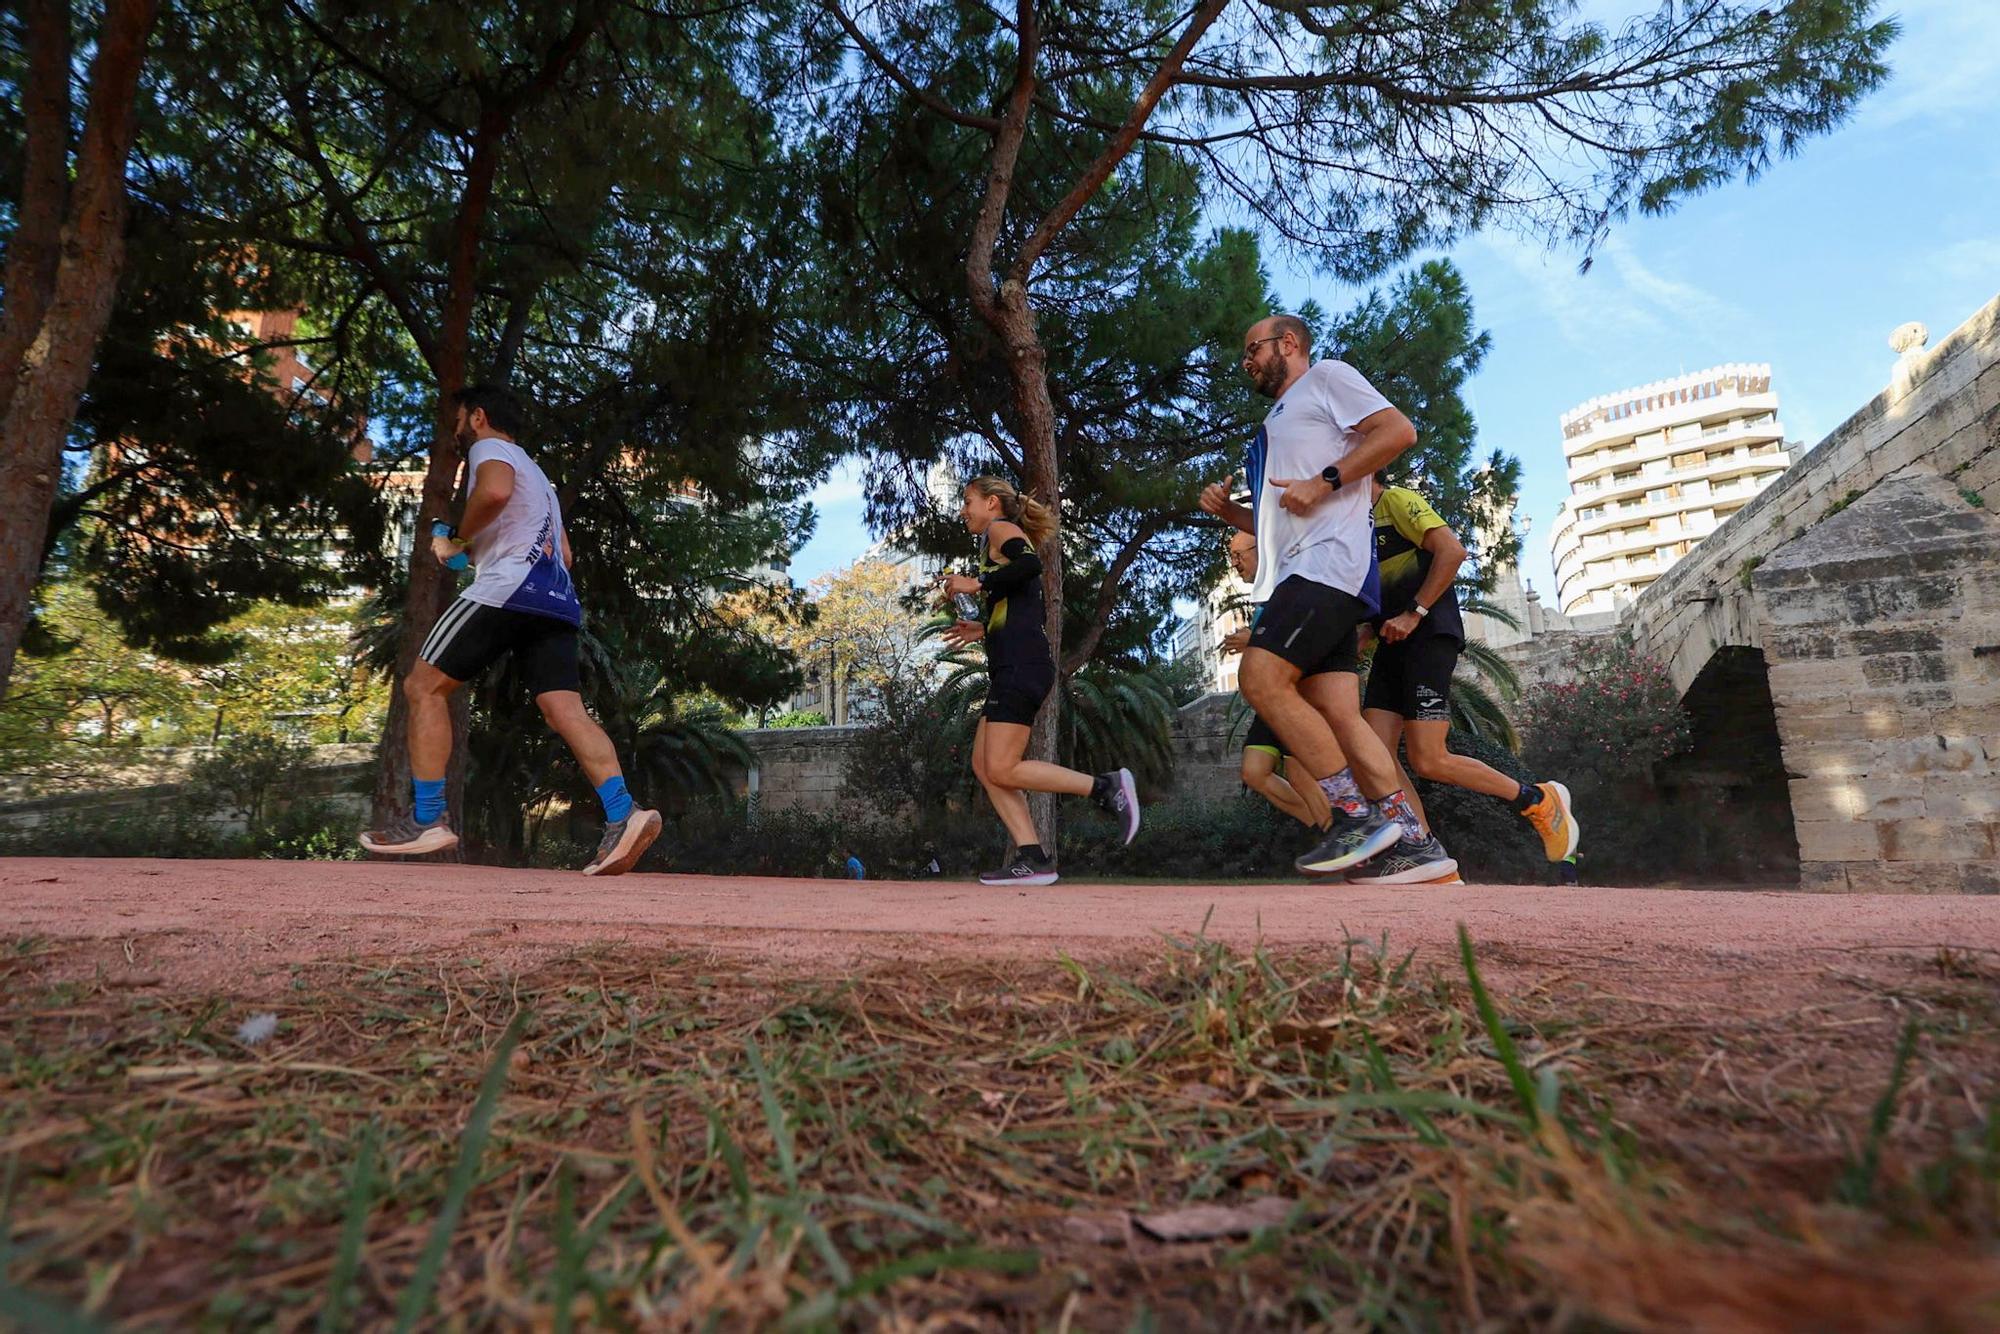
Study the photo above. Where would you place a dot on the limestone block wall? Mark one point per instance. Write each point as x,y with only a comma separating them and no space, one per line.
801,768
339,777
798,768
1881,628
1941,413
1208,748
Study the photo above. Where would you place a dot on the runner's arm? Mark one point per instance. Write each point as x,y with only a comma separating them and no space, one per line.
1216,499
1022,564
1385,434
1447,554
492,486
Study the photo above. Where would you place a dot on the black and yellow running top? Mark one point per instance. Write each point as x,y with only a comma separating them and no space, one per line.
1402,517
1015,630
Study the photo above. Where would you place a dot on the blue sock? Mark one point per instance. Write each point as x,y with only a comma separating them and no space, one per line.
617,801
429,804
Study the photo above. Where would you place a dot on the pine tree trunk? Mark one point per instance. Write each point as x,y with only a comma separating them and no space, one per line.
431,589
431,586
35,248
1027,363
55,362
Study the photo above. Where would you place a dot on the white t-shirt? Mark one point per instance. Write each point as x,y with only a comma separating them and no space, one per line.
1308,429
518,557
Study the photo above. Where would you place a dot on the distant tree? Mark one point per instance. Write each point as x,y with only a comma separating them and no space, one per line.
859,628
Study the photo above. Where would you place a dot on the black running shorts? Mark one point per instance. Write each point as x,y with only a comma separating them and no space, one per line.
1312,626
1261,737
1015,691
1413,678
471,636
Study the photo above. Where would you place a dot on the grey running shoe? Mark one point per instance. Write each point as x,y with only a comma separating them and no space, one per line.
404,837
1122,800
1021,871
624,841
1410,862
1350,841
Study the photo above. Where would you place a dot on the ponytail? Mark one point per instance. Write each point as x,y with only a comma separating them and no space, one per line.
1037,520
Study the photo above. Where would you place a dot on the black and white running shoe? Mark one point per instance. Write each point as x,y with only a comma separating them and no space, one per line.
1021,871
1121,799
1411,862
403,836
1350,841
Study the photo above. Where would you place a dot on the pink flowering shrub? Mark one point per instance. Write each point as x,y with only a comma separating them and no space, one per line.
1601,730
1612,720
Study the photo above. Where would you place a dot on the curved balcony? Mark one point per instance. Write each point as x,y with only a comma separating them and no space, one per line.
1588,467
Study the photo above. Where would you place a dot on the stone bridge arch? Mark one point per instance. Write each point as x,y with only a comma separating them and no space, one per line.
1865,585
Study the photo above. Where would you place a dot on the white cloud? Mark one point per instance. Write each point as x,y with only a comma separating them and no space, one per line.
1668,296
1941,66
1621,297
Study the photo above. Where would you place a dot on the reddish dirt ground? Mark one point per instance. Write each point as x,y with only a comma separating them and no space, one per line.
234,924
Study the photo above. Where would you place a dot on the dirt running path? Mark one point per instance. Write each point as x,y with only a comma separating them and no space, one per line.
225,922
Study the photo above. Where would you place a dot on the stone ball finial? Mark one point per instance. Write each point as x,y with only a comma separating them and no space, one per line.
1909,337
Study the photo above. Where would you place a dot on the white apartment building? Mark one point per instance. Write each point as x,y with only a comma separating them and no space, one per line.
1652,471
1222,611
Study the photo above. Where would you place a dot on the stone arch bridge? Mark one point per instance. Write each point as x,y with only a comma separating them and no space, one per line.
1837,640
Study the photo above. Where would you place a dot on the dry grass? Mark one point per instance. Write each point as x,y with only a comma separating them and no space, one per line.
627,1140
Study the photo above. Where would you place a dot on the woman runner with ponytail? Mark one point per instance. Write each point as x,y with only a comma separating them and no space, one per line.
1020,673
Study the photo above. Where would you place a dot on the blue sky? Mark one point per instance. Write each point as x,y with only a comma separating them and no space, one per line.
1893,217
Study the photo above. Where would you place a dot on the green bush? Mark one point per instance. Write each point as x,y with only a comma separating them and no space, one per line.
799,718
1186,837
177,832
307,830
728,838
302,831
248,772
915,754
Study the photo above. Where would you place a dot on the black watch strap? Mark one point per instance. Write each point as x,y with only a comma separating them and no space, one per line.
1331,476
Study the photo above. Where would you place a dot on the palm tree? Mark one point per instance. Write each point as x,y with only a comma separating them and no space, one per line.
1485,682
666,753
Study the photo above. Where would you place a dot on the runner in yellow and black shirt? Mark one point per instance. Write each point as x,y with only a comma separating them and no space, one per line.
1420,635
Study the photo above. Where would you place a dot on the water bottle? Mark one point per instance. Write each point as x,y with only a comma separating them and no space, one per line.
439,528
966,605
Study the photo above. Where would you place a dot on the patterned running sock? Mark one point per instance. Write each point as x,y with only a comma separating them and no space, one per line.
617,801
1526,797
1343,794
429,802
1397,807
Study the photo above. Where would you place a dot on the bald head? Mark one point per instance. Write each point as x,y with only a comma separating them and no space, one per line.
1276,351
1293,325
1243,555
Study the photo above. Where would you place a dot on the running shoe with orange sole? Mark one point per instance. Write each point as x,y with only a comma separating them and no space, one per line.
1553,820
624,842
